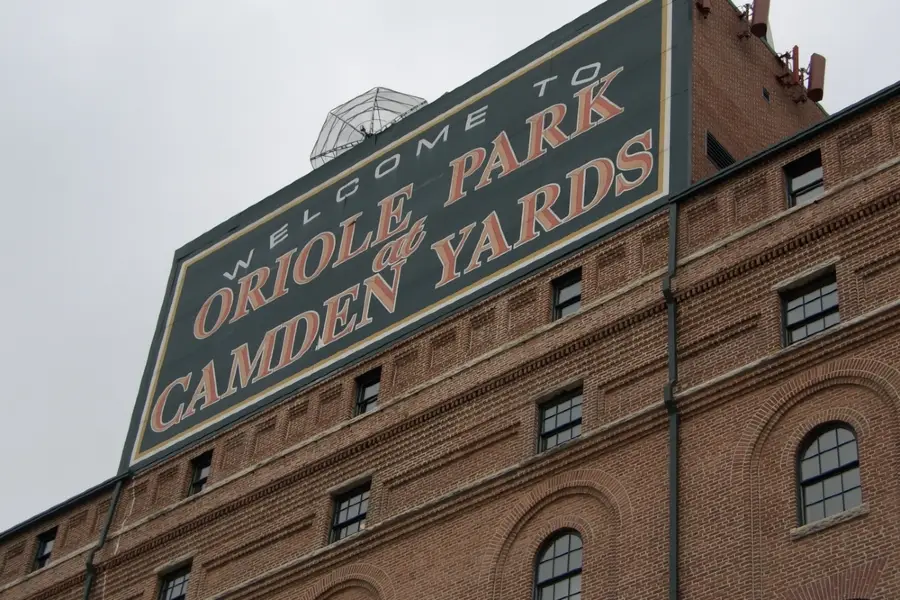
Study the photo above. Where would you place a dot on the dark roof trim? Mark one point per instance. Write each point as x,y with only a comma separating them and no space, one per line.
853,110
74,500
849,112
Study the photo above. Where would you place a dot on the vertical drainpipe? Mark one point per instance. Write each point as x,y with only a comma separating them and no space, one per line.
90,570
669,400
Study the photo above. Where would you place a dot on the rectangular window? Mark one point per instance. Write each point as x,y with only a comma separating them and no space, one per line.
175,585
560,419
44,549
367,388
567,294
200,468
804,179
717,153
810,308
350,510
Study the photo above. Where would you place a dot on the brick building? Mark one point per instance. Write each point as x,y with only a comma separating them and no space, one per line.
701,405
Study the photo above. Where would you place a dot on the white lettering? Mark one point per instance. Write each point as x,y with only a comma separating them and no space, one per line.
543,83
476,117
279,236
576,80
306,216
342,195
240,263
424,142
379,173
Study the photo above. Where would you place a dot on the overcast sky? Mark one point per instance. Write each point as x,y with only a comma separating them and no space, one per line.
129,128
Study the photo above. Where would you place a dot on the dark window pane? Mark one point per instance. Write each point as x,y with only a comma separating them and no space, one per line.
834,505
852,498
847,453
812,450
807,178
815,512
850,479
808,196
560,420
813,306
833,486
828,440
811,309
813,493
561,546
845,435
350,512
175,586
371,390
567,294
570,309
558,573
560,565
809,468
815,327
575,559
829,460
795,315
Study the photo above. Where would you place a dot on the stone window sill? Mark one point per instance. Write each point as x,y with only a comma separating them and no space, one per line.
829,522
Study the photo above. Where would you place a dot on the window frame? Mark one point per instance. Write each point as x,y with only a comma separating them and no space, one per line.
363,488
553,401
170,576
790,172
536,562
800,483
814,282
41,554
558,285
198,464
362,406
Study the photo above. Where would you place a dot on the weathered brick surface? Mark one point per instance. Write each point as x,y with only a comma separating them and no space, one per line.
460,502
730,72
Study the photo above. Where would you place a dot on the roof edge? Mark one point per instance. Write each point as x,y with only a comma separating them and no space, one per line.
801,136
74,500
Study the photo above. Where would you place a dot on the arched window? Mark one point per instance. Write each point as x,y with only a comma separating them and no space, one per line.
828,472
557,574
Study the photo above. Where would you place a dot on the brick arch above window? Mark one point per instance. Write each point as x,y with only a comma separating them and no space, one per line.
881,381
855,582
540,512
359,581
880,378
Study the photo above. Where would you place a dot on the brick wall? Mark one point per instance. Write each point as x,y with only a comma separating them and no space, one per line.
729,74
460,502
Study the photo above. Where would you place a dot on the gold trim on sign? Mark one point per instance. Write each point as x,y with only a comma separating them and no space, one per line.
137,456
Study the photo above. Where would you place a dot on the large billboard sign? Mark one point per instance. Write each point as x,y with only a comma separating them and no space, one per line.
539,156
